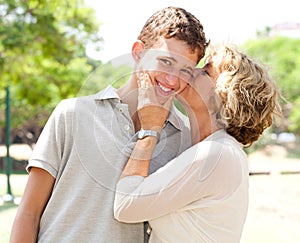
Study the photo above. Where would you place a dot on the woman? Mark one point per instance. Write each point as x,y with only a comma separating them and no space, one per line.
202,195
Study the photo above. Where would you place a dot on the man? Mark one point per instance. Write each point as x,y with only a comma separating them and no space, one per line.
82,150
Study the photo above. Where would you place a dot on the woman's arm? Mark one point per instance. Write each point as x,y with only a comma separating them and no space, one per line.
139,161
152,116
207,171
35,198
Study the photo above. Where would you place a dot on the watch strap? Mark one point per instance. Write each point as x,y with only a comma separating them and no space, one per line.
146,133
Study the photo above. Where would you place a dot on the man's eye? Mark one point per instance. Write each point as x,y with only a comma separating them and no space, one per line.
165,61
187,72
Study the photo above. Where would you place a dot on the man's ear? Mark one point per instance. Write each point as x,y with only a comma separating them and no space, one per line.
137,49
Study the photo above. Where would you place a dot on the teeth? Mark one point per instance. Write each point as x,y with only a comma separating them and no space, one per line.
165,89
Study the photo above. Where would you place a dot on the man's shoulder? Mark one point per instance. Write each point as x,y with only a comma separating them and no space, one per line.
86,98
73,103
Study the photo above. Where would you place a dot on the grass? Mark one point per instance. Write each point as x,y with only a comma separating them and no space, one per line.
8,210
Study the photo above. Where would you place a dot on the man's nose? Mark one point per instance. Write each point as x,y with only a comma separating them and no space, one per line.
172,79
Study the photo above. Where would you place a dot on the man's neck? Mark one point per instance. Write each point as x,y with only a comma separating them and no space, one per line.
128,94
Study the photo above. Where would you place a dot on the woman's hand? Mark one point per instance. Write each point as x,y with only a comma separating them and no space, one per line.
151,113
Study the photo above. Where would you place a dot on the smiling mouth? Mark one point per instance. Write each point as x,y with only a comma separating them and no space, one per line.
164,89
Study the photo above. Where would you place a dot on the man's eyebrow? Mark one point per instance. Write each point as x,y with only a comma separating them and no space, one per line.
176,61
171,58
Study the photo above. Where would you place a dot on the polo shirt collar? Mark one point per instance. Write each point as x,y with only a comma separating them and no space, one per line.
110,93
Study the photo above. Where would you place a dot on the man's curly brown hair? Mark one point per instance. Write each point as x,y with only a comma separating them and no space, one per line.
248,94
174,22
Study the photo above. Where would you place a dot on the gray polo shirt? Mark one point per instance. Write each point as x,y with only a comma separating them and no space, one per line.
84,145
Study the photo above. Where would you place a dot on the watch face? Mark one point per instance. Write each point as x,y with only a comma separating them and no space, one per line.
141,134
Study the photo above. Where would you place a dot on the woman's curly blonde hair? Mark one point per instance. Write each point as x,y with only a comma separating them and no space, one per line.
248,94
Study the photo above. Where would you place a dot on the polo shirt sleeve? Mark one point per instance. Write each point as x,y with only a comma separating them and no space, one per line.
48,151
208,170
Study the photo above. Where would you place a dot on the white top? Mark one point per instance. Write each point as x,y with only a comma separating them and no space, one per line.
200,196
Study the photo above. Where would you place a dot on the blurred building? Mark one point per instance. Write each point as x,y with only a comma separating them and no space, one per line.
288,29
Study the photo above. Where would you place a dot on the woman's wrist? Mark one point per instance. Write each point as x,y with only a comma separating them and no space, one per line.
144,148
139,161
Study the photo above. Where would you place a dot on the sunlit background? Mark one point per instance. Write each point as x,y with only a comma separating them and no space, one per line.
51,50
231,20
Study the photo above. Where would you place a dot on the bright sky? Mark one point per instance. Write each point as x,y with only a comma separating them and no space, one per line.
229,20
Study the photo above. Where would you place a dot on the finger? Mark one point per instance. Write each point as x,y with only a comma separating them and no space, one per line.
141,75
147,80
138,83
150,88
143,81
148,77
143,91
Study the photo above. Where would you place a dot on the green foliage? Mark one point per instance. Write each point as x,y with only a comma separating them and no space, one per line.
282,56
106,74
264,140
42,54
295,116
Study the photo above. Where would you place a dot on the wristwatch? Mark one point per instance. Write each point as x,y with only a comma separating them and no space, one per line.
146,133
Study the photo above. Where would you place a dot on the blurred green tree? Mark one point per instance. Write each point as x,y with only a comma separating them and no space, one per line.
282,56
42,56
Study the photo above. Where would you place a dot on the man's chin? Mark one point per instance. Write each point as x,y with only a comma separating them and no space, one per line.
162,99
